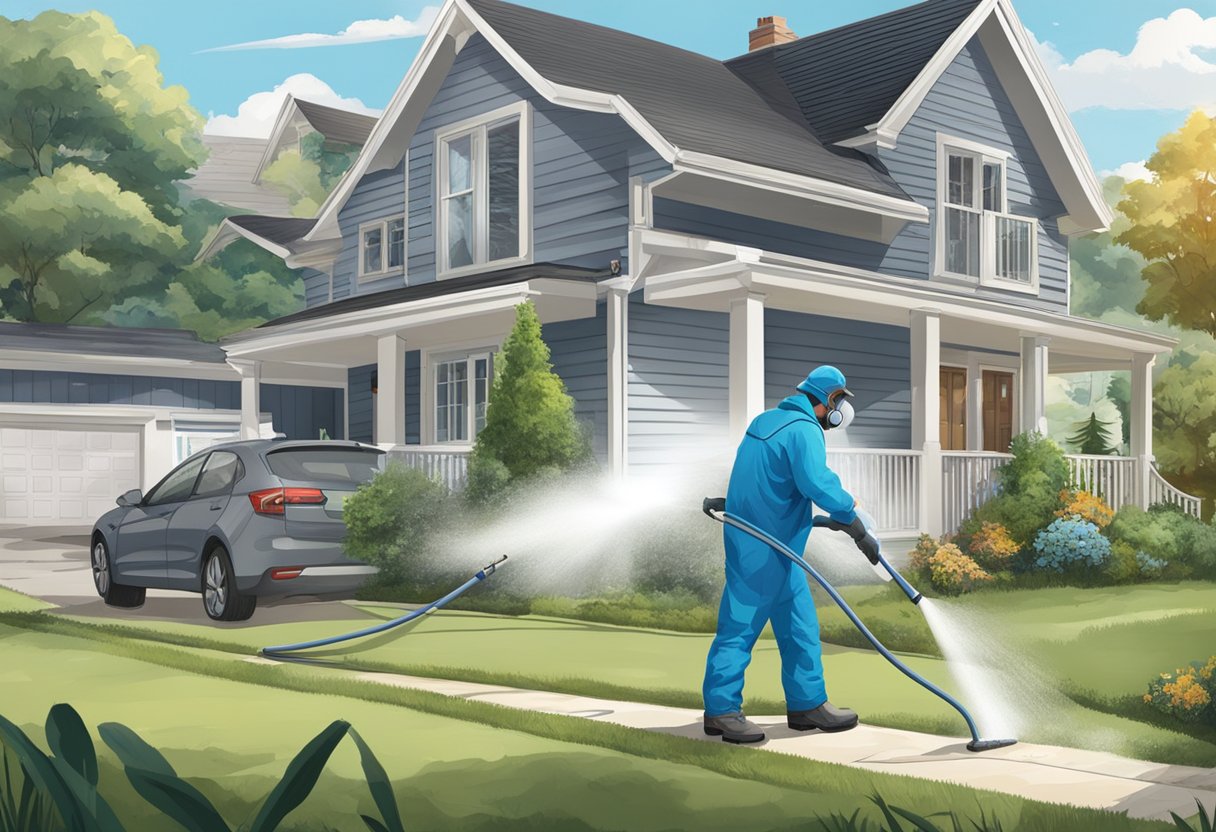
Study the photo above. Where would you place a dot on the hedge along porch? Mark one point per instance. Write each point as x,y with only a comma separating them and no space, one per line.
917,466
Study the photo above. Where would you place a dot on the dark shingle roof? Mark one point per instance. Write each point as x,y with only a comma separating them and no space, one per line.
436,288
694,101
109,340
847,78
337,125
278,230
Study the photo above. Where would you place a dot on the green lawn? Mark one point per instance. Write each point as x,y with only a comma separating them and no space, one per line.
1140,632
231,726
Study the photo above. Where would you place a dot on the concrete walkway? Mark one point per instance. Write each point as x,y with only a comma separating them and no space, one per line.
1053,774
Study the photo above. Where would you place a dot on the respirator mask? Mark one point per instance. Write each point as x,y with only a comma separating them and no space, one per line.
840,412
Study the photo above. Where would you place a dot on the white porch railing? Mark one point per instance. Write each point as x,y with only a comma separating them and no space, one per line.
449,465
968,481
885,482
1113,478
1160,491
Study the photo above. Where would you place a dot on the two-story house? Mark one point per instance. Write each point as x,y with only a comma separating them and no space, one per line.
895,197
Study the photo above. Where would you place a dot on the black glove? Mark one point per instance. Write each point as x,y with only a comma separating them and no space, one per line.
866,542
713,504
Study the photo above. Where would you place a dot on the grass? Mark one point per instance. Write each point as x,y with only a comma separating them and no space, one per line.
229,725
13,601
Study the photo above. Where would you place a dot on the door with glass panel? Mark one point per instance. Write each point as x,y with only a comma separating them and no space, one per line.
462,395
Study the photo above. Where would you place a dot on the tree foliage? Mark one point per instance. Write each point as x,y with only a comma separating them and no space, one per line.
530,425
1173,226
1092,437
306,176
1184,417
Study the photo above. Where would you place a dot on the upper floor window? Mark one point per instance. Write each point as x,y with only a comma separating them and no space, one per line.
483,213
381,248
977,237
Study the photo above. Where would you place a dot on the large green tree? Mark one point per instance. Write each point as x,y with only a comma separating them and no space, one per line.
1184,415
93,225
1173,226
306,176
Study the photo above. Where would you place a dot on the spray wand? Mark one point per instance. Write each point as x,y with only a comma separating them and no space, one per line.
715,508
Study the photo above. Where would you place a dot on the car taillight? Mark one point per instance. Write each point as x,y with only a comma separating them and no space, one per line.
286,574
272,500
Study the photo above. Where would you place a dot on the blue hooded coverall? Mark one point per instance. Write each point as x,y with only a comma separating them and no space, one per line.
780,469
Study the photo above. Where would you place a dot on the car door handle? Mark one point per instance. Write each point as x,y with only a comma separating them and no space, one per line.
216,506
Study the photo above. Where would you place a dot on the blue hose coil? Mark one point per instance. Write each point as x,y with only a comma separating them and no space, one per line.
760,534
279,650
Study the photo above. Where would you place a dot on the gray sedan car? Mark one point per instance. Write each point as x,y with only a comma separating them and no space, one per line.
236,522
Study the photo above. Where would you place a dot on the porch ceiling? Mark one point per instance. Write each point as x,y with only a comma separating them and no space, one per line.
349,339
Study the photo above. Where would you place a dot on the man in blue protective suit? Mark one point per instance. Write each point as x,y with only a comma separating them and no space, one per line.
780,470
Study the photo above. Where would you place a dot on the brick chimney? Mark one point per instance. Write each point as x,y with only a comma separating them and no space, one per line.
769,31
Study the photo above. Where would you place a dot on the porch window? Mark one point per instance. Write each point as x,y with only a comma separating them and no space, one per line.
977,238
483,213
381,248
462,393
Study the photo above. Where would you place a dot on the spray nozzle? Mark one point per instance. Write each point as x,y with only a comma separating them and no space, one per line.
489,570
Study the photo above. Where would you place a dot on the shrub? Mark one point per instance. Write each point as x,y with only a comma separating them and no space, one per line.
926,548
1029,489
1150,567
390,519
530,424
487,480
1186,693
952,571
1034,454
1071,544
1123,567
1087,506
992,547
1150,532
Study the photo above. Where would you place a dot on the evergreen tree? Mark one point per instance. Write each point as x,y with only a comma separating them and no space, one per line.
530,426
1092,437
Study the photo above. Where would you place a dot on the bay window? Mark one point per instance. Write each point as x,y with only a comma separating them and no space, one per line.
483,215
977,238
461,386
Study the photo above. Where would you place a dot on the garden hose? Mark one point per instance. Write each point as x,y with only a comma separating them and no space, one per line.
281,651
723,516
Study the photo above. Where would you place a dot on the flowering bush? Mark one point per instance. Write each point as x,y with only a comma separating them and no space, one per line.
1087,506
1069,544
992,547
952,571
1186,693
926,547
1150,567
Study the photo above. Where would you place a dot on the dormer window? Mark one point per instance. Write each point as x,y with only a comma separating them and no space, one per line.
977,238
483,212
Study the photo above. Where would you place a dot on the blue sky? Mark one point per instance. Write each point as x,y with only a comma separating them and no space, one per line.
1122,99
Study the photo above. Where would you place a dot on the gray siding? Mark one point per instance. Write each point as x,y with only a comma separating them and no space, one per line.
377,196
875,358
413,400
581,164
359,414
301,412
968,102
52,387
579,350
316,287
678,403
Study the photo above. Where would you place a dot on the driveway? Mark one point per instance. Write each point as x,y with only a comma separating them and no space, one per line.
52,563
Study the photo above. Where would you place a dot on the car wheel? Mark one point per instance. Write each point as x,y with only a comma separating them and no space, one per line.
114,594
221,600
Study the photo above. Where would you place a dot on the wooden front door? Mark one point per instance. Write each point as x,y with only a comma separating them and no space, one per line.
953,409
998,411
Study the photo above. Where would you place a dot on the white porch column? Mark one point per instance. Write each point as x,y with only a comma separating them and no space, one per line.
390,391
925,326
251,382
1142,422
618,379
975,403
746,362
1034,384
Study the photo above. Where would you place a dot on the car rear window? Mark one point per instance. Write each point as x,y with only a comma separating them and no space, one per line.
338,465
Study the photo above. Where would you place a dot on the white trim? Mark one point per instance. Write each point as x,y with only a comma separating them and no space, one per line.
332,572
385,269
477,128
276,132
227,232
132,365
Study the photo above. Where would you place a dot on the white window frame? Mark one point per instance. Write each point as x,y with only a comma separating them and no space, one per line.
431,360
385,270
478,128
982,154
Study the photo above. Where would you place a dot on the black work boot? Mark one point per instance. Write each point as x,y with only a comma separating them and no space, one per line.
827,717
734,728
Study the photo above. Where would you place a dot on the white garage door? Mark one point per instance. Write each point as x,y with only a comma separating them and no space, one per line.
63,475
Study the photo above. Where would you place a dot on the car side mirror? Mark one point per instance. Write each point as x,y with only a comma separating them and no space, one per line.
132,498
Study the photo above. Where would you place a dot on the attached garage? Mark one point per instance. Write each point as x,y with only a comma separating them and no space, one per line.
65,475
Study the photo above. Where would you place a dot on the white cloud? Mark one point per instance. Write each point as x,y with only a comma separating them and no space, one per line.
256,114
1130,171
1165,70
361,31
